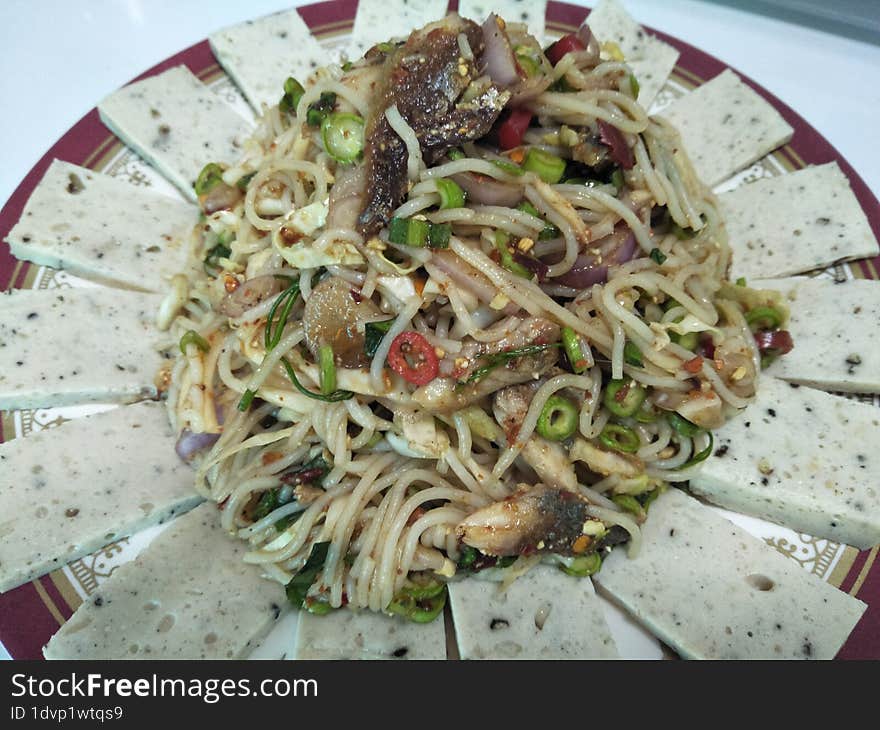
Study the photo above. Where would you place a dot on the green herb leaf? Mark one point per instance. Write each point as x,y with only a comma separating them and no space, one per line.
502,358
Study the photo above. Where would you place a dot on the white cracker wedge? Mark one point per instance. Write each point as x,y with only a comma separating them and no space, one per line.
726,126
793,223
187,595
68,491
260,54
529,12
177,124
102,228
61,347
651,60
712,591
381,20
350,634
544,614
833,326
803,459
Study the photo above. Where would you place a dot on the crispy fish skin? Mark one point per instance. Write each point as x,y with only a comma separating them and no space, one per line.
425,78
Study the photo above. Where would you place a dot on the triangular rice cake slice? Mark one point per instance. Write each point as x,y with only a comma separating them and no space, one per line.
803,459
351,634
793,223
529,12
377,21
651,60
544,614
102,228
66,346
834,329
62,498
188,595
726,126
711,591
260,54
177,124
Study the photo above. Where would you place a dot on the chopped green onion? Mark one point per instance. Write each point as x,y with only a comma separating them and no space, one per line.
439,235
211,262
508,167
209,178
546,166
373,334
623,398
320,109
571,342
409,231
455,154
763,318
558,419
634,86
583,565
688,341
632,355
702,456
451,194
617,179
645,414
293,92
343,136
741,281
619,438
193,338
347,66
549,231
681,425
657,256
628,503
468,557
502,358
327,369
420,603
507,260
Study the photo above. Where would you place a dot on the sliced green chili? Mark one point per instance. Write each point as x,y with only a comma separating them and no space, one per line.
702,456
320,109
507,261
645,414
558,419
624,397
583,565
420,603
209,178
681,425
546,166
509,167
343,136
620,438
617,179
571,342
763,318
632,355
451,194
326,369
293,92
634,86
193,338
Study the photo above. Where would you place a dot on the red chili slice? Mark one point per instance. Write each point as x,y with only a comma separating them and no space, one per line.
778,340
512,129
567,44
413,358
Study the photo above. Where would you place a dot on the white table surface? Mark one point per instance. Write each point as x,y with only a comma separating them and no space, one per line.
58,58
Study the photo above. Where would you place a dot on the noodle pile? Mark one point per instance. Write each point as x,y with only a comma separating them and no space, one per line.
362,493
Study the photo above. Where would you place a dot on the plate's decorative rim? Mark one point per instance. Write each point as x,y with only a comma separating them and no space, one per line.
32,612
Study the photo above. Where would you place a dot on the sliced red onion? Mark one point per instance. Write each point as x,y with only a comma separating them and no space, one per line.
613,138
498,59
591,267
221,197
486,190
248,295
539,268
189,444
585,36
